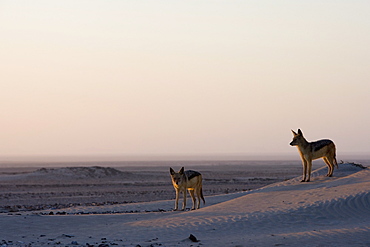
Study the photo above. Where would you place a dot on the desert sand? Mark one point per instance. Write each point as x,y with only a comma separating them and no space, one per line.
250,205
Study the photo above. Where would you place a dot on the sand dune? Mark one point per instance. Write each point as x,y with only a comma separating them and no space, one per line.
328,207
325,212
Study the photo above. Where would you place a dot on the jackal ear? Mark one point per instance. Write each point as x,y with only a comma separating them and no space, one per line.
294,133
181,170
172,171
300,132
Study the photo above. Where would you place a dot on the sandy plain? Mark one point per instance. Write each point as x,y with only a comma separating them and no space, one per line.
247,204
41,186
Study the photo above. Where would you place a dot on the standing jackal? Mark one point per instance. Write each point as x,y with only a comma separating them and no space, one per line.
309,151
187,180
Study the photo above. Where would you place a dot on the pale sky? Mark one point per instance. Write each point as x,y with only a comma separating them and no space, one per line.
102,77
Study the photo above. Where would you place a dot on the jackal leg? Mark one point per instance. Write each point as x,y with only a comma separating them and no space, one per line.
309,169
304,164
177,200
330,165
184,202
192,198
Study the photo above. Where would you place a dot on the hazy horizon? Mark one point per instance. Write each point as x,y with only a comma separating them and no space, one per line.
152,78
346,157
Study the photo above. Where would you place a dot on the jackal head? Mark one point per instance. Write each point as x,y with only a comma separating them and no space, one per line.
177,177
297,138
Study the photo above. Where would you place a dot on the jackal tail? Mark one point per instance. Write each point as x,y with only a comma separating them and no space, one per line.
201,195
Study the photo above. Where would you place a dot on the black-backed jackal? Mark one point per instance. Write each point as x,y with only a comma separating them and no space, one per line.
309,151
187,180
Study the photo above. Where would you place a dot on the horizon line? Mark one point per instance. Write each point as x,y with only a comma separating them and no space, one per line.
162,157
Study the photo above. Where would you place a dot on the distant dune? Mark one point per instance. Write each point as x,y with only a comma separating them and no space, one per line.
80,172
